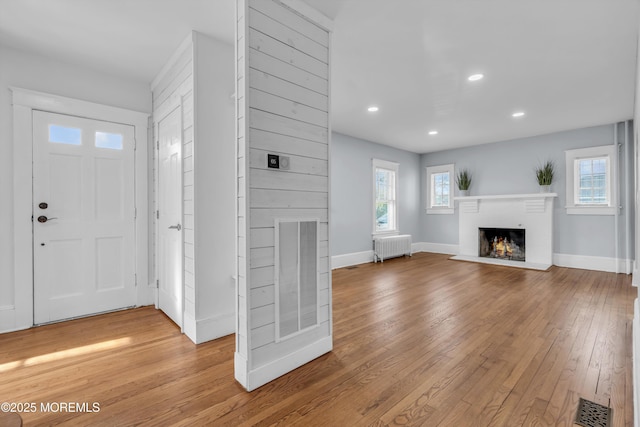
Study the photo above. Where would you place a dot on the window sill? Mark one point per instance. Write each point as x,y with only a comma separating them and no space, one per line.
591,210
440,211
385,233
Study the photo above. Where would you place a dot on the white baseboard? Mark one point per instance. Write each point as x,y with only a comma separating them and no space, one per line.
584,262
10,322
439,248
240,368
562,260
346,260
208,329
636,361
269,372
635,278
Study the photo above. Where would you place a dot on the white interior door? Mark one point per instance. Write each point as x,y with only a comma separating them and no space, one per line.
83,216
170,289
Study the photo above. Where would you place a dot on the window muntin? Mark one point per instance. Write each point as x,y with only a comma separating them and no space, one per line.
591,180
439,189
385,185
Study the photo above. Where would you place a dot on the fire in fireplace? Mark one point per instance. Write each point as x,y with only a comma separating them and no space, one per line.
502,243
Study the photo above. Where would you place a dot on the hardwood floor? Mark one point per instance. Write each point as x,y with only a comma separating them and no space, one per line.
417,341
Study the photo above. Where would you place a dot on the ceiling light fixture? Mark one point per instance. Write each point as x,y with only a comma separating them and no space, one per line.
372,109
475,77
433,132
518,114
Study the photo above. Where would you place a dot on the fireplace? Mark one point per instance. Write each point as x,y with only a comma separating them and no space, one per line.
502,243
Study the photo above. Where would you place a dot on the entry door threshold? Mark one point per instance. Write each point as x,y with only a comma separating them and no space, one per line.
503,262
85,315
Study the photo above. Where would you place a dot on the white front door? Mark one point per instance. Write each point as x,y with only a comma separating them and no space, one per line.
170,289
83,216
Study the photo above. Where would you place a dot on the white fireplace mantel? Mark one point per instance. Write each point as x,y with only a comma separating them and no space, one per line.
531,212
508,196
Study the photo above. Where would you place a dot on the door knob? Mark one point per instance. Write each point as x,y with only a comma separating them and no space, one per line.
176,227
44,219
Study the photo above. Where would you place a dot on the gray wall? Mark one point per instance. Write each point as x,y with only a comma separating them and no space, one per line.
352,192
508,168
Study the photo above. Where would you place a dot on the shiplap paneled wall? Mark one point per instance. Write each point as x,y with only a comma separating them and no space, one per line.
283,108
199,80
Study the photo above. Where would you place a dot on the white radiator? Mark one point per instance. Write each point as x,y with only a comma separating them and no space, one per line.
391,246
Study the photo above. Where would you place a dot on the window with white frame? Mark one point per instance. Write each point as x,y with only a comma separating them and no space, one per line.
385,193
440,189
591,180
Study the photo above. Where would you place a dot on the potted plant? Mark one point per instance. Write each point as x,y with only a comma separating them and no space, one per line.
463,181
544,175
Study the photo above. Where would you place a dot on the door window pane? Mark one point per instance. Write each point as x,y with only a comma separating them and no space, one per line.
112,141
65,135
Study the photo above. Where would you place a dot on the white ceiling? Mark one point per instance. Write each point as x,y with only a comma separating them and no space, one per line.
566,63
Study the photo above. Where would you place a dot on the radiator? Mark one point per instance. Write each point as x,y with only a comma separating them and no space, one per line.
391,246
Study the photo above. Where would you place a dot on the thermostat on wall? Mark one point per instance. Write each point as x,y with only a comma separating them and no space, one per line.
284,162
275,161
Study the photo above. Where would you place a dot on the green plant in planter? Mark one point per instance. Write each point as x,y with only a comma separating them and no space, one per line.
544,173
463,180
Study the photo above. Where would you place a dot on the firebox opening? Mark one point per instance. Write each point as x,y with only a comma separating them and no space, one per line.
502,243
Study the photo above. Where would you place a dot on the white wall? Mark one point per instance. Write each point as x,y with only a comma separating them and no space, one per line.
214,189
201,78
42,74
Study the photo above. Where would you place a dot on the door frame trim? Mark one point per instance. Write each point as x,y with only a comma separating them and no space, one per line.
175,102
24,102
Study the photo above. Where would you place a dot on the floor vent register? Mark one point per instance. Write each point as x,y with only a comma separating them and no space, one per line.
591,414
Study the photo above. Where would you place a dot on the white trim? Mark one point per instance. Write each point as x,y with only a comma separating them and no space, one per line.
561,260
610,152
585,262
309,13
24,102
395,168
429,172
635,278
591,210
356,258
272,370
508,196
504,262
635,358
439,248
208,329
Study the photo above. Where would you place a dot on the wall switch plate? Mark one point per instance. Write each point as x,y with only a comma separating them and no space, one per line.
273,161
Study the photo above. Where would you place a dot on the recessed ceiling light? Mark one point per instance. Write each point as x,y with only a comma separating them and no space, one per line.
433,132
475,77
372,109
518,114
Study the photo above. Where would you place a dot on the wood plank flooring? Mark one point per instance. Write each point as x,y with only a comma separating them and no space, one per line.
417,341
